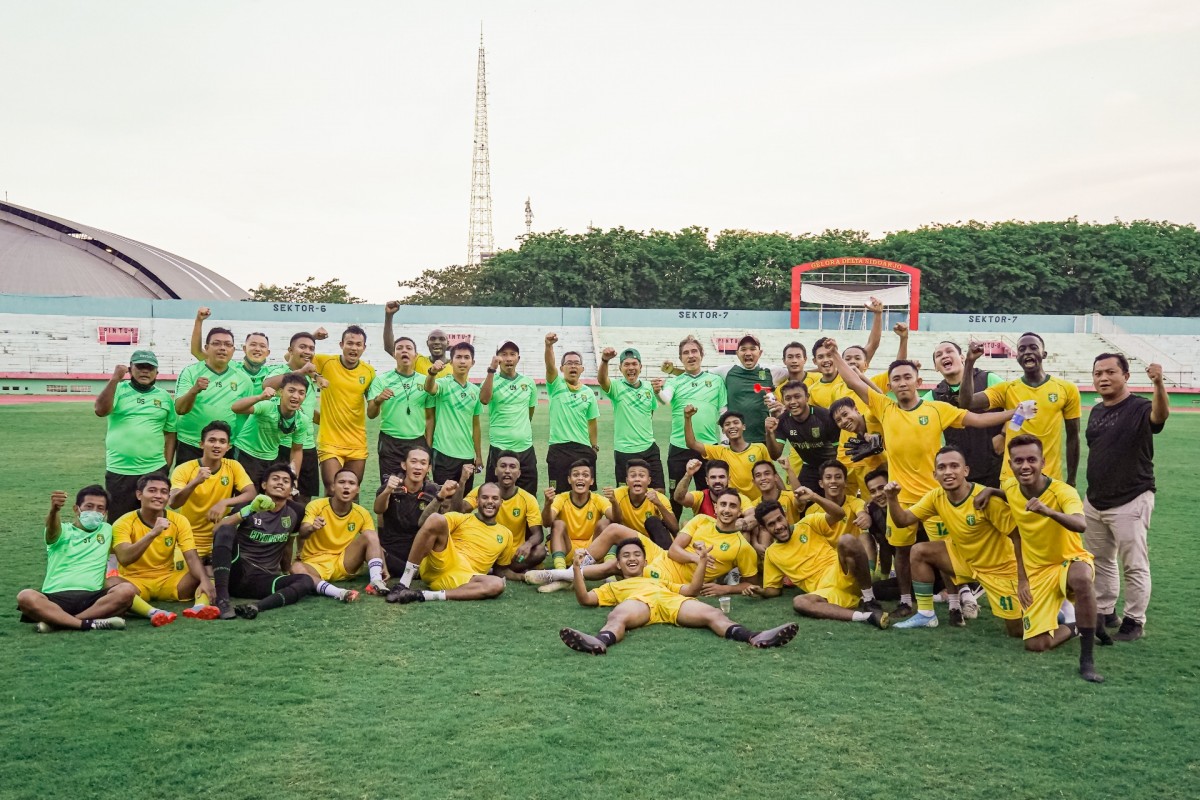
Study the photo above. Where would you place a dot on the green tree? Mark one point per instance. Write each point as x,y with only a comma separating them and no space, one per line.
448,286
306,291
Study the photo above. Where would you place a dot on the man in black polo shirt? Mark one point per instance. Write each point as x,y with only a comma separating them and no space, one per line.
811,430
1120,492
402,505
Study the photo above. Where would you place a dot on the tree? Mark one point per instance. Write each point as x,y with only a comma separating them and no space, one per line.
332,291
448,286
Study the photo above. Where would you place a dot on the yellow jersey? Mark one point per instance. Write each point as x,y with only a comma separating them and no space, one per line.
645,588
1045,543
791,508
728,549
804,559
631,517
479,545
852,506
422,366
912,439
741,465
580,520
518,513
338,531
228,481
1057,401
980,536
343,404
159,557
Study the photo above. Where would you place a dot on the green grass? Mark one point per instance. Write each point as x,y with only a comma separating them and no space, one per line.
482,700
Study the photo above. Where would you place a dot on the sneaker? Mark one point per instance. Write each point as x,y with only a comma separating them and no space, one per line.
403,595
733,577
202,612
776,637
554,586
956,617
351,596
160,618
903,611
1130,630
248,611
1111,620
537,577
970,606
109,624
582,642
44,627
225,609
879,618
918,621
377,588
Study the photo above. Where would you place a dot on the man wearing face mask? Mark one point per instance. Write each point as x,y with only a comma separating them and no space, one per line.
141,429
73,596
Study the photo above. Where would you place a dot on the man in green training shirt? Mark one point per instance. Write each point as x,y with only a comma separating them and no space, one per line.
298,361
574,433
457,441
73,594
272,423
255,350
695,387
633,404
141,429
206,391
399,398
510,399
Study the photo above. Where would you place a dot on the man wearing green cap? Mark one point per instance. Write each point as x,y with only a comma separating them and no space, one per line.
633,403
141,429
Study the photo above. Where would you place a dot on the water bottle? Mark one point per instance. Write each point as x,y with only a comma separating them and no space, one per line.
1018,418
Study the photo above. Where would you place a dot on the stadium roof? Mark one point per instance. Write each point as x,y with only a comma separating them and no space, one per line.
45,255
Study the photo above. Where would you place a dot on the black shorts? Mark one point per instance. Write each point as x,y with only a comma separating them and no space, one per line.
651,454
392,452
560,457
529,469
395,560
254,583
677,461
122,494
185,452
447,468
811,479
309,479
255,467
72,601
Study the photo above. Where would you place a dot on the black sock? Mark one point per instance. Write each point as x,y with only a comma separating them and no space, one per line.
1101,633
1087,640
222,558
739,633
271,601
608,637
85,625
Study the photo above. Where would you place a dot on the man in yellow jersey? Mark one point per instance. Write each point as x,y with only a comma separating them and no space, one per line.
835,489
728,549
716,479
455,554
206,489
638,600
336,537
437,342
145,542
519,513
1057,405
770,487
912,433
834,579
574,517
342,439
640,507
977,548
740,455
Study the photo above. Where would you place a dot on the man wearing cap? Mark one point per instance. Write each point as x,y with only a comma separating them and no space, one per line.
141,429
437,341
510,399
633,403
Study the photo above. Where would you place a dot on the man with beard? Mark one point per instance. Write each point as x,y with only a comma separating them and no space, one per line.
141,429
437,342
519,513
702,501
399,398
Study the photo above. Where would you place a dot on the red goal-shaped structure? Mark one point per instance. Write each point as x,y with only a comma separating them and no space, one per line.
848,283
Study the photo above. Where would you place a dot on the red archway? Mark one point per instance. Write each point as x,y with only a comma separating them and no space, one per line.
914,277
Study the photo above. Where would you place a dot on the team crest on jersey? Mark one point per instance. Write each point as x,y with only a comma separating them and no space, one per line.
99,538
351,527
589,516
362,379
804,538
285,521
751,459
708,383
499,538
923,420
516,512
724,546
224,480
1054,397
970,519
169,541
815,432
762,373
158,403
1025,622
232,385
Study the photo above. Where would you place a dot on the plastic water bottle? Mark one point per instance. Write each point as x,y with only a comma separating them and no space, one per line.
1018,418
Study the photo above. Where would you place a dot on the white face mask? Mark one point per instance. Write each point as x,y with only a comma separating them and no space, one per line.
91,520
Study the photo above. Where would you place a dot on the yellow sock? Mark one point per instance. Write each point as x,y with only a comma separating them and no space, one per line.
141,607
560,560
202,599
924,595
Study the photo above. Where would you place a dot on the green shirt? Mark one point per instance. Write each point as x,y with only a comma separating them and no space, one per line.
136,424
633,415
308,408
266,430
742,398
454,410
403,416
707,393
77,560
570,412
255,376
215,402
509,427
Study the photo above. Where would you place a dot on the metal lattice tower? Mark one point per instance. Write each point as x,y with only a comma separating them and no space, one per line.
528,219
480,244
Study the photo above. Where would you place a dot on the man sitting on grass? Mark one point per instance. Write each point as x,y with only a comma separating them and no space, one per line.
73,596
337,538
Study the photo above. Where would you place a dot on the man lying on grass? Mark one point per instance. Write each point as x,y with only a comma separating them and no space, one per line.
640,600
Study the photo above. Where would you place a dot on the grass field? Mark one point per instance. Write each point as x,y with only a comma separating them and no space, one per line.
482,700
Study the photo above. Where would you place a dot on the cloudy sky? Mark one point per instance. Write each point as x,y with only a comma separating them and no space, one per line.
274,140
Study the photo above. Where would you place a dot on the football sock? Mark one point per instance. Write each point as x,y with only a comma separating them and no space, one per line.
560,559
329,590
202,600
868,594
410,569
434,595
738,633
906,599
85,624
954,600
608,637
860,616
562,574
142,608
924,593
375,565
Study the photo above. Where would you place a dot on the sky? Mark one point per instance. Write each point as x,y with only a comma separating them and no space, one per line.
270,141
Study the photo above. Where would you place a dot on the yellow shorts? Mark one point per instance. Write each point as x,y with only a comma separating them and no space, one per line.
342,454
445,570
838,588
961,569
158,586
1049,588
203,540
1002,593
901,537
664,607
330,566
577,544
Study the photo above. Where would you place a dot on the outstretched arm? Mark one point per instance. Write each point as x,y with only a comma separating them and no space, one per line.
1160,402
582,594
551,367
196,344
104,401
389,334
968,398
876,335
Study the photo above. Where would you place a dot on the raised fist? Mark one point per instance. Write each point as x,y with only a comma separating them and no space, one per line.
320,334
203,474
689,410
693,466
770,424
120,371
57,500
204,313
393,482
268,392
668,367
448,490
391,307
550,493
1154,373
875,305
657,384
437,366
386,394
318,523
609,493
495,363
551,339
974,351
200,385
608,354
901,330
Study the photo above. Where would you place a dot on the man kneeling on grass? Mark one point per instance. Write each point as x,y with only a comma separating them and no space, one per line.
73,596
640,600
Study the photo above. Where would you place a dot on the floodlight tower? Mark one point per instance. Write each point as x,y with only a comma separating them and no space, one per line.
480,244
528,219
